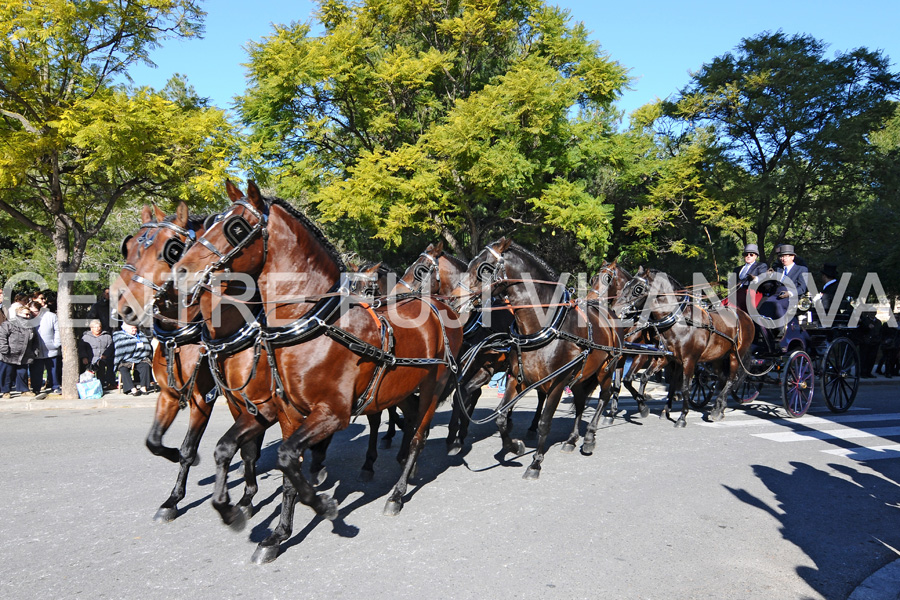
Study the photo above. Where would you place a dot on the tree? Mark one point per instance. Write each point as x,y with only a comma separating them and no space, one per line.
464,119
74,145
790,130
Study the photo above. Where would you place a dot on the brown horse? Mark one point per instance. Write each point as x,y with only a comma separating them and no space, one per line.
574,344
179,362
692,333
330,361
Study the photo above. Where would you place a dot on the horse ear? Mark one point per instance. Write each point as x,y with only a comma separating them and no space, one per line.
160,215
439,247
374,268
146,214
505,243
254,196
232,190
640,270
181,214
613,264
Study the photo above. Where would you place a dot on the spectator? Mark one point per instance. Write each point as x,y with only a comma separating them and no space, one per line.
18,342
4,316
869,335
132,359
889,363
47,348
100,310
20,300
94,350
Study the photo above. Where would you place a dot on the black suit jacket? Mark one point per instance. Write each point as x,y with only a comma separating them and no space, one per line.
797,274
756,269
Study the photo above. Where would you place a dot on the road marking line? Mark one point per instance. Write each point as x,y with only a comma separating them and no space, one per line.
841,434
807,420
863,454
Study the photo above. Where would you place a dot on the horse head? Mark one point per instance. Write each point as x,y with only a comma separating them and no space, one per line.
434,272
234,240
369,280
145,279
608,282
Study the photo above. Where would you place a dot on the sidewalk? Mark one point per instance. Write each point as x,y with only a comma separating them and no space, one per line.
56,402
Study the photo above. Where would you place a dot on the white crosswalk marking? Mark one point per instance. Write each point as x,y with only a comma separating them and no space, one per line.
864,454
841,434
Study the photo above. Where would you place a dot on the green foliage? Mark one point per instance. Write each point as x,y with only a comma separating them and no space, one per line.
458,119
790,128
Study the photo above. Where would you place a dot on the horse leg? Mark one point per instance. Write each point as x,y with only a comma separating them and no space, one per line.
673,374
368,469
317,469
579,401
459,422
237,435
689,366
532,429
428,400
187,456
250,452
504,424
553,397
267,550
316,428
727,382
608,389
394,422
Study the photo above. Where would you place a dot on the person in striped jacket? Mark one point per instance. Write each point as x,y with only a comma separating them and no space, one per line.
132,359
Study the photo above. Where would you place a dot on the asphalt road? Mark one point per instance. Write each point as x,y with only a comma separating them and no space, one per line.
757,507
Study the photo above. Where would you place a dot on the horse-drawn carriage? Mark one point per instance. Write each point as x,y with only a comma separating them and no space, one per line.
809,356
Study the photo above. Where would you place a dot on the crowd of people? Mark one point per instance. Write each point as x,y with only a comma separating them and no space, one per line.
31,357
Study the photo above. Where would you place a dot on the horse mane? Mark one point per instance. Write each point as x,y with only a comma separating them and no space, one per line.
455,260
312,227
540,261
194,221
674,282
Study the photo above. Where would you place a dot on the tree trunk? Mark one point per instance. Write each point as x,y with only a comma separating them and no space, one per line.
67,337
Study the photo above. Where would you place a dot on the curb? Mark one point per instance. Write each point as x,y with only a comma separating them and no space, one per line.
883,584
109,400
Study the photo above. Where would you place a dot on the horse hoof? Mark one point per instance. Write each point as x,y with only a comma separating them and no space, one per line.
606,421
392,508
531,473
246,510
165,515
264,554
320,476
568,448
645,412
680,424
517,447
238,520
329,508
588,447
366,475
385,444
716,416
454,448
531,434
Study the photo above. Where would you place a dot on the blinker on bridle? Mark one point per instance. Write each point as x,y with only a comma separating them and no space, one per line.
421,272
238,233
171,252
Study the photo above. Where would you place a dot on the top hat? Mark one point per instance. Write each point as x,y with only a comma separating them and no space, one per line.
751,248
830,270
785,249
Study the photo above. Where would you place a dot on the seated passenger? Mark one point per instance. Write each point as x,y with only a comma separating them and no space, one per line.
776,304
748,273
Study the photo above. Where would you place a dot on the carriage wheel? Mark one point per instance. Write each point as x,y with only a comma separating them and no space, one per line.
797,383
840,374
748,390
703,387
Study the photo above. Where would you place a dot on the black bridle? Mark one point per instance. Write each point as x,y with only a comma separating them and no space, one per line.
238,233
171,252
422,271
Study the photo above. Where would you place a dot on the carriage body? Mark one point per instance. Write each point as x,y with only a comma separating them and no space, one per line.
808,357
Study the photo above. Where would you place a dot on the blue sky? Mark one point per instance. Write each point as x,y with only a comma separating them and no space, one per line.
659,41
